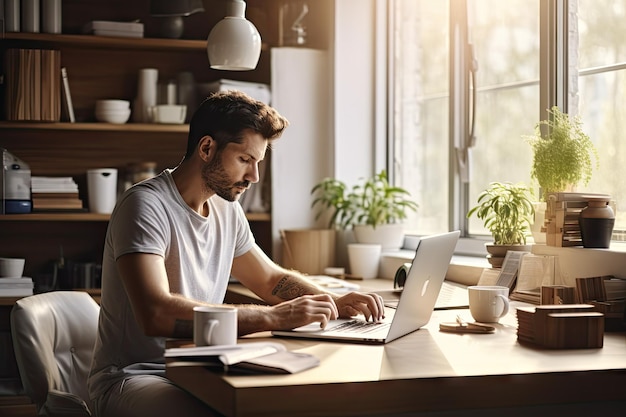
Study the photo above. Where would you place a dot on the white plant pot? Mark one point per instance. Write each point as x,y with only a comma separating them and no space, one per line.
389,236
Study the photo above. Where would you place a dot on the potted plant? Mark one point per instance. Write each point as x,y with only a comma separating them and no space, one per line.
370,208
563,155
506,210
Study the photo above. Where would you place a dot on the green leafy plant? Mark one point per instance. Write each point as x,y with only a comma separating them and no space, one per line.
373,202
506,210
564,155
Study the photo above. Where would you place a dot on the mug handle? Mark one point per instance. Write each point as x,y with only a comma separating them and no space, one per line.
505,309
209,325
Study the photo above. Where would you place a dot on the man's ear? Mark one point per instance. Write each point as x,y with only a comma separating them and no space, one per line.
206,148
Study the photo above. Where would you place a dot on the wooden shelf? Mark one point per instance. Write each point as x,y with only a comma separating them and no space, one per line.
97,127
106,42
111,42
9,300
94,217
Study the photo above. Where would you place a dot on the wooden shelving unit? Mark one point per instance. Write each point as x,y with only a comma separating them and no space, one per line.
100,67
95,127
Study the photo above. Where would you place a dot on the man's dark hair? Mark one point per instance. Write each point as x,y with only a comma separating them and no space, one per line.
226,115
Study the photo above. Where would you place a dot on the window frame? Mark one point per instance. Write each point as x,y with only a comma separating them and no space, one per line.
554,18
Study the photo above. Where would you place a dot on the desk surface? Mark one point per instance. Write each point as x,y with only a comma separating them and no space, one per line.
427,370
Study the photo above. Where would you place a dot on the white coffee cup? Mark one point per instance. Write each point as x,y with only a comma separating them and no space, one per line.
12,267
214,326
488,303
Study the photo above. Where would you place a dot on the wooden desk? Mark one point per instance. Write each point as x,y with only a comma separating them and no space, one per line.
239,294
425,371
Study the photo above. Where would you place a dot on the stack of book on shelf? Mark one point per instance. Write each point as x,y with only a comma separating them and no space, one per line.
561,219
16,287
55,193
33,84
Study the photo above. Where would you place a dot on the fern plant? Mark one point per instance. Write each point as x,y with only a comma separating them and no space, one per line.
506,210
373,202
562,157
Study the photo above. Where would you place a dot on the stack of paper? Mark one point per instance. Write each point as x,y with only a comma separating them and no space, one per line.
109,28
55,193
16,287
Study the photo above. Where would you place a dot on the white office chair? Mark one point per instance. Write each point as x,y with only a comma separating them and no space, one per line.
53,338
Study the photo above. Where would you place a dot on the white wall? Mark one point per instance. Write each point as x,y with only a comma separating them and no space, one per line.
301,93
346,147
353,56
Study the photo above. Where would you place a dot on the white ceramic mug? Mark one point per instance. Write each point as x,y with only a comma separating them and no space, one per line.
488,303
214,326
12,267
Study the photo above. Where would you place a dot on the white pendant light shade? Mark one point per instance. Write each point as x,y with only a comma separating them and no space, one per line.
234,43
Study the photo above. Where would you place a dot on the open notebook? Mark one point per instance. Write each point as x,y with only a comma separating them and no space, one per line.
416,304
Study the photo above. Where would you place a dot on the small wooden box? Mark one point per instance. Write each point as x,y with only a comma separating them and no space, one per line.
573,326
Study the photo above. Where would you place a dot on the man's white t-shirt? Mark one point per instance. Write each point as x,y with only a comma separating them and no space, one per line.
152,217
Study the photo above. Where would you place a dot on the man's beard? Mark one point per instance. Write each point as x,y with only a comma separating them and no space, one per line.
216,179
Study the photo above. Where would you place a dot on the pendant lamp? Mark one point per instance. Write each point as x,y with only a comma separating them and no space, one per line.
234,43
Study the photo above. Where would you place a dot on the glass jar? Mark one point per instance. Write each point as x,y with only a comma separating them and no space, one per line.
138,172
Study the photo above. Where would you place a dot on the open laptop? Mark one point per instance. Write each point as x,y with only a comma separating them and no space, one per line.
416,304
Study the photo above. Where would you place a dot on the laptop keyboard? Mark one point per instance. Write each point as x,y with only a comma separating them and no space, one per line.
359,326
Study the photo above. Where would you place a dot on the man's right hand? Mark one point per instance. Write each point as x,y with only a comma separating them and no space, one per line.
304,310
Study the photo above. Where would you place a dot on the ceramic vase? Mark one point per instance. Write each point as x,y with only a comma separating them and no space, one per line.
146,95
596,223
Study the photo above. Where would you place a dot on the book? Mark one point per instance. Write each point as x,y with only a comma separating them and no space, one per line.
16,286
66,97
510,268
57,203
15,292
32,84
254,357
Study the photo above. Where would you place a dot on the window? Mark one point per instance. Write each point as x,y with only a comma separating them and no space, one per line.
597,94
437,101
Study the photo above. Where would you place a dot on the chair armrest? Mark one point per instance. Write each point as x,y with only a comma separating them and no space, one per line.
59,403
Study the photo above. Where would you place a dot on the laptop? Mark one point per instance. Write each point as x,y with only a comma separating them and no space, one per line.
414,309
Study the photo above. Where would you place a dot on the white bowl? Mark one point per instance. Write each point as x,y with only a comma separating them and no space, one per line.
168,113
113,116
112,105
12,267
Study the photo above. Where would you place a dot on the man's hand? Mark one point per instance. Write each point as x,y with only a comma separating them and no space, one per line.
304,310
369,304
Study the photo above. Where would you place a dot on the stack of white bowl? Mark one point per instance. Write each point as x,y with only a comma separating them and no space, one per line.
112,111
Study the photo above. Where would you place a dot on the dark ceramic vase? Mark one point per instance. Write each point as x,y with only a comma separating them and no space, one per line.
596,224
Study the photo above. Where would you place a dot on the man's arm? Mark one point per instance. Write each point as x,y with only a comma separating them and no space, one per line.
269,281
158,312
275,284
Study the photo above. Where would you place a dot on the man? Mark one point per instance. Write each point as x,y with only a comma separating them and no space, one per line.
173,242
